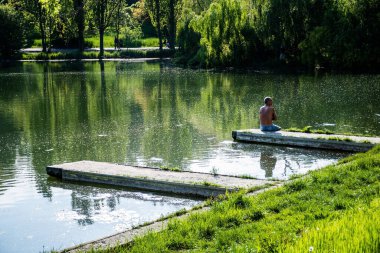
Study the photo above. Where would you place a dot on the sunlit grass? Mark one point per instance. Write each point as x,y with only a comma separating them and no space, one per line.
109,42
94,41
149,42
358,230
308,129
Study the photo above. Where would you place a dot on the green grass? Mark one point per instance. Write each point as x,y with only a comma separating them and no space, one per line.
285,218
109,42
175,169
149,42
339,139
93,41
357,230
308,129
37,43
75,54
210,184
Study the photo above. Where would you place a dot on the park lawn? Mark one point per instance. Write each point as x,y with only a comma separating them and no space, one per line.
94,41
108,42
335,209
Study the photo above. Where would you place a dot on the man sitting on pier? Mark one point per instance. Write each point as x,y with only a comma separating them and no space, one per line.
267,115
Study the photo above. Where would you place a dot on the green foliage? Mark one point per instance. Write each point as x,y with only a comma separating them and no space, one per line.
338,34
222,41
11,31
188,39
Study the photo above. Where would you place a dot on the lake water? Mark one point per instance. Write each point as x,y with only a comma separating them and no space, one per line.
151,114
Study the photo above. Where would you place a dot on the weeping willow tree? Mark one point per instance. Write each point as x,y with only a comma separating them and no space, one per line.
222,41
340,34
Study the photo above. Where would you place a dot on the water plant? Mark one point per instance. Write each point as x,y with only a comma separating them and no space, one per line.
214,171
176,169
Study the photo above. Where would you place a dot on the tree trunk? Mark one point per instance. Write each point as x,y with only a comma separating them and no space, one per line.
158,20
172,24
101,37
79,19
102,26
42,27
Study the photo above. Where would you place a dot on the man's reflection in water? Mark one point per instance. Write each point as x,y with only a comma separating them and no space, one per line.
267,162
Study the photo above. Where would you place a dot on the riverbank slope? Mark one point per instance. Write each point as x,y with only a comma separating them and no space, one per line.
285,219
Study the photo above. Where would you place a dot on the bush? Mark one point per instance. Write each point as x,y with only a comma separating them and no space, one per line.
11,31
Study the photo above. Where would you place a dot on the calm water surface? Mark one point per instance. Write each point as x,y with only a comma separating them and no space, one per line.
149,114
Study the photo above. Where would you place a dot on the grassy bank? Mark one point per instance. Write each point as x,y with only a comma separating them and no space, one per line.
75,54
335,209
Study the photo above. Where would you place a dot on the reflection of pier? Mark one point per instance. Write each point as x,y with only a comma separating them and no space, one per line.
188,183
321,141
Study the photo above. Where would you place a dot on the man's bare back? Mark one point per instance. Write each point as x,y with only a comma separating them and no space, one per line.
267,115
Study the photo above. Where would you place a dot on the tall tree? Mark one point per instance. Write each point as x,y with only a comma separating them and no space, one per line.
155,13
103,13
36,10
79,20
11,31
119,18
51,10
172,23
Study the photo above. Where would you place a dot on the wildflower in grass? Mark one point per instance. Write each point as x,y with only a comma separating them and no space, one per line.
311,249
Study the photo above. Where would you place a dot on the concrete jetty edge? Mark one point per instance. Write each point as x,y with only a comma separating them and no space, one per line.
307,140
143,178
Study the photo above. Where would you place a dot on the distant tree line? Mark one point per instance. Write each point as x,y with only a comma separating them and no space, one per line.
339,34
66,23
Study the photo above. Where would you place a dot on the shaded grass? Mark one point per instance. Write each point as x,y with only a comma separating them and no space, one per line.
75,54
279,219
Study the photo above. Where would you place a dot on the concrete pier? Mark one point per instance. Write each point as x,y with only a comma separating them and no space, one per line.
188,183
308,140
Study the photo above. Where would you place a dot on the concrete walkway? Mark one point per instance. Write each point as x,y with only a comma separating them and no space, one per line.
187,183
309,140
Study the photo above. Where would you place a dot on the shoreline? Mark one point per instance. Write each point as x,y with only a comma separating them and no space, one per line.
149,53
282,206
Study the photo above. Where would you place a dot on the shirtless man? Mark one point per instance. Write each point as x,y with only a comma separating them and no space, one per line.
267,115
